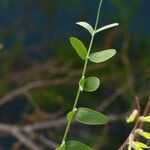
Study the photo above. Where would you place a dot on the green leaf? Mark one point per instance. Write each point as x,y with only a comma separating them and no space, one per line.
91,84
107,27
90,117
102,56
81,84
71,114
87,26
75,145
79,47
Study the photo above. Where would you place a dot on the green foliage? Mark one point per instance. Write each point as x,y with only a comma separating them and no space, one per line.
81,84
71,115
87,26
102,56
90,117
90,84
18,67
63,147
107,27
75,145
79,47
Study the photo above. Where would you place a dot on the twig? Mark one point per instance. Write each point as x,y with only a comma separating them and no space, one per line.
37,84
146,112
24,140
49,142
14,130
44,125
135,126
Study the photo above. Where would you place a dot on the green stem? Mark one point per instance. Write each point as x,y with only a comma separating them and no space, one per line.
98,14
83,73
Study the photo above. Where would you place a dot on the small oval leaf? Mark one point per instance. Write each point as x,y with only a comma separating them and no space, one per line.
90,117
107,27
102,56
75,145
87,26
79,47
91,84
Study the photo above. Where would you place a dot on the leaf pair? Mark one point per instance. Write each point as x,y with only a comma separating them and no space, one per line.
85,116
96,57
88,27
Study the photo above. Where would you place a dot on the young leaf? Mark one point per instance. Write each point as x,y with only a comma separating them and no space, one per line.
70,115
102,56
132,117
107,27
143,133
81,84
75,145
79,47
87,26
140,145
91,84
145,119
90,117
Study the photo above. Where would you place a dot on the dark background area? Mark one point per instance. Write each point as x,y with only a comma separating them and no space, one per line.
39,70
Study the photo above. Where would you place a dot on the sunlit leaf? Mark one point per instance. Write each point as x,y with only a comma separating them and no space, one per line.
79,47
143,133
90,117
75,145
107,27
141,145
145,119
102,56
87,26
132,117
91,84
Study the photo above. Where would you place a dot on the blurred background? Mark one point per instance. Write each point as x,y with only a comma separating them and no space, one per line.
39,70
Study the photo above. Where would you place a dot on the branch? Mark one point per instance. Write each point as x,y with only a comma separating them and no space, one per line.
14,131
36,84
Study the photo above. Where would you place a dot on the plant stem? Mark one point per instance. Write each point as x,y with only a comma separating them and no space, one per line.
135,126
126,141
146,112
83,73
